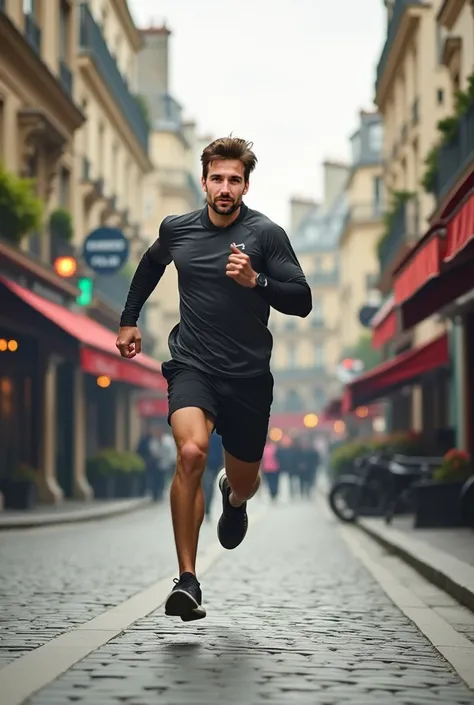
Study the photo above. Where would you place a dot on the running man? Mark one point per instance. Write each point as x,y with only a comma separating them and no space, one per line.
233,264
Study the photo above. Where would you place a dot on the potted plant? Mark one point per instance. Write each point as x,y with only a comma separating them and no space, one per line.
19,488
132,466
102,472
437,501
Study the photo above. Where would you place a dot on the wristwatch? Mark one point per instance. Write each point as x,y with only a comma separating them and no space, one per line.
262,280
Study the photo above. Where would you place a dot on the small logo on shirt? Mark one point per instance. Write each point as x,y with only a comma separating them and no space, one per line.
242,245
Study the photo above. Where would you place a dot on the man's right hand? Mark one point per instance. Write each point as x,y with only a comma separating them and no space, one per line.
129,341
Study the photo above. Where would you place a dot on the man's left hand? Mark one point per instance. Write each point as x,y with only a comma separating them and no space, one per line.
240,269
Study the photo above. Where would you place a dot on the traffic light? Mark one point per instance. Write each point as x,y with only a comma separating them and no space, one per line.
86,287
65,266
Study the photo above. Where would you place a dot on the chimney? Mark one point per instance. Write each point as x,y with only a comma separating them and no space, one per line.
335,178
299,209
153,61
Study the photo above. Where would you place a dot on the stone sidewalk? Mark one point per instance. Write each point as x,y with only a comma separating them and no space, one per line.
293,617
67,512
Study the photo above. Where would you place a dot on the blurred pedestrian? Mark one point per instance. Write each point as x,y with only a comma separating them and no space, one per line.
150,449
271,468
233,264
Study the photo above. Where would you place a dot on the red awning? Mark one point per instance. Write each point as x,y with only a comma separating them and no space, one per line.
99,356
460,229
404,369
438,270
421,266
384,324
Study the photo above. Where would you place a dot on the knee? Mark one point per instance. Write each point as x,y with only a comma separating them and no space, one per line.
192,458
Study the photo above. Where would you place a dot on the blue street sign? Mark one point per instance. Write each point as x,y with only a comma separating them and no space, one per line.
105,250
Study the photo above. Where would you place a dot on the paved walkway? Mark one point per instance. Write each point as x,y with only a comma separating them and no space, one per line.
293,617
67,512
459,543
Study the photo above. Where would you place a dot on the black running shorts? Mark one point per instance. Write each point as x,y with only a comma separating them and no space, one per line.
240,408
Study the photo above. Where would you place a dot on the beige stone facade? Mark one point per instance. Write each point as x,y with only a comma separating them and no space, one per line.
172,188
306,351
39,113
362,229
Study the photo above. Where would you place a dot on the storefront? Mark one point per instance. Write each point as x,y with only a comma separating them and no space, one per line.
427,366
438,278
64,390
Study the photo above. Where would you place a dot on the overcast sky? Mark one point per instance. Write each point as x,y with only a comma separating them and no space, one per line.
292,82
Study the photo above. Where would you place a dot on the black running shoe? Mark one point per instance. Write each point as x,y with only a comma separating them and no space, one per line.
185,599
233,524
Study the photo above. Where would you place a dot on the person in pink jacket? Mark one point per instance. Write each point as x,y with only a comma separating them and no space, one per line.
270,468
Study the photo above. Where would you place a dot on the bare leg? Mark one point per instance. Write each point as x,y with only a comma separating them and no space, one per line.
244,479
191,430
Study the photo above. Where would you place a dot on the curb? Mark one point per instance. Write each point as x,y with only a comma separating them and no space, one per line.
72,517
446,572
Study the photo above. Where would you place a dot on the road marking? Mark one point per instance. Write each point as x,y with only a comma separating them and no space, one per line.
452,645
30,673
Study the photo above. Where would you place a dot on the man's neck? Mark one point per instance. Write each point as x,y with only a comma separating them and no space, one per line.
222,221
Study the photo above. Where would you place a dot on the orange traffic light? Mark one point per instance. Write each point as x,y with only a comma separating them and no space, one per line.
65,266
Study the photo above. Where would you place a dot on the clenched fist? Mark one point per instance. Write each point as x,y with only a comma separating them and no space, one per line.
239,268
129,341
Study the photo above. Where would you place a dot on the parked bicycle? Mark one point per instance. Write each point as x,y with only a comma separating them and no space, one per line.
380,485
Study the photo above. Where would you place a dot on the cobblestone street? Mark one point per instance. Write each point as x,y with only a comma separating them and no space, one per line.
53,579
293,616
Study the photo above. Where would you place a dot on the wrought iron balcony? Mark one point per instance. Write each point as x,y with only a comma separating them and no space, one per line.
455,156
404,229
93,44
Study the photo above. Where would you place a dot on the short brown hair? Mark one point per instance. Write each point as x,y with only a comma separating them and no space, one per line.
229,148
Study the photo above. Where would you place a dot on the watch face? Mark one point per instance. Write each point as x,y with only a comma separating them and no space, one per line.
262,280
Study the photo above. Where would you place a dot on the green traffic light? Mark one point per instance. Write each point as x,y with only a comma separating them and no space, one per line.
86,287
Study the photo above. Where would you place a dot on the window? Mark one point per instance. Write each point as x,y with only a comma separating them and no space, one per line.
376,137
356,148
317,312
440,96
29,7
292,357
64,31
64,182
371,281
319,399
293,401
318,356
378,185
101,151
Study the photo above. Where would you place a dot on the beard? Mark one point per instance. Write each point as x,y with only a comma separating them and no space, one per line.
224,208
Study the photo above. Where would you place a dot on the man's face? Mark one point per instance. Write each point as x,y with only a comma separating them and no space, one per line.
225,185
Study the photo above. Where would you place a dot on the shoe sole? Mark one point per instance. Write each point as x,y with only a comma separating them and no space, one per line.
181,604
229,547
